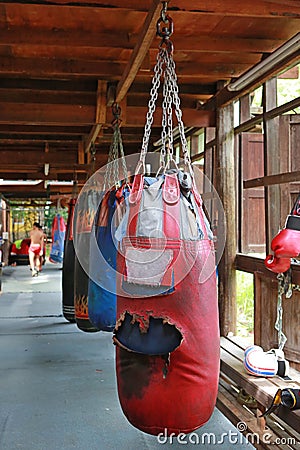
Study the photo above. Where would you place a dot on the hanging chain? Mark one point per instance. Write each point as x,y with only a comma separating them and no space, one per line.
284,287
165,66
278,324
112,176
151,107
93,156
167,123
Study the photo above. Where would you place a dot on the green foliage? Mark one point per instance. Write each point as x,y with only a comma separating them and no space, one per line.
245,303
287,90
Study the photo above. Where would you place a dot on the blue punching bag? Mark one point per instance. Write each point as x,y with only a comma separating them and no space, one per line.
58,239
103,260
102,281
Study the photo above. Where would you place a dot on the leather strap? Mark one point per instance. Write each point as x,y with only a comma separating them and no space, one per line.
171,205
136,189
171,189
198,201
293,223
71,219
134,199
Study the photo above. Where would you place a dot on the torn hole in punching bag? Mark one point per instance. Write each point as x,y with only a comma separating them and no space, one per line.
158,337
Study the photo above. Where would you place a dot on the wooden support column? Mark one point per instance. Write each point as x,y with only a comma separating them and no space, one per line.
226,187
245,108
271,162
80,159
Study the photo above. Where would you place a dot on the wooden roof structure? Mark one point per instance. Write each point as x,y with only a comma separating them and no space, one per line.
64,62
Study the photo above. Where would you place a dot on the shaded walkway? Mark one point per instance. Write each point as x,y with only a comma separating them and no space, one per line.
58,384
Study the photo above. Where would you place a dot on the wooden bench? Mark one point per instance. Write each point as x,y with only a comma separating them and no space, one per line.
280,430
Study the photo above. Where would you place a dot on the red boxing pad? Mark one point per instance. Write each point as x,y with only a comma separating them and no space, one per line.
167,341
287,243
277,265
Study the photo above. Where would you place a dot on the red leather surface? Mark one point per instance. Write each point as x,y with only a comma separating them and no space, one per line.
277,265
286,244
176,392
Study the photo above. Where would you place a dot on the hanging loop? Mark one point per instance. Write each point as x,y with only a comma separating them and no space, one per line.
165,28
116,168
93,151
165,69
163,31
116,111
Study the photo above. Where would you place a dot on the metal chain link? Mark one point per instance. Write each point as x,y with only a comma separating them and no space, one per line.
167,134
285,287
151,106
116,152
278,324
165,65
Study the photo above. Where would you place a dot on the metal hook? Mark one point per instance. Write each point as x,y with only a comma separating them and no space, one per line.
93,151
116,111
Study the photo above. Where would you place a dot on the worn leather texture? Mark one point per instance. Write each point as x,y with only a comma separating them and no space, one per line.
167,345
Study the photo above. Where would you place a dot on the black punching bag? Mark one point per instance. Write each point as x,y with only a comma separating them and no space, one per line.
68,268
86,207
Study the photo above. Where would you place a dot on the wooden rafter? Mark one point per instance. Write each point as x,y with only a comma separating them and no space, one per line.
130,71
140,50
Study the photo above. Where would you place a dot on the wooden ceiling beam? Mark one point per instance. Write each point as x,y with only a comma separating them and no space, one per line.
37,171
50,97
20,36
42,130
18,139
135,5
39,190
248,8
50,67
136,96
22,158
59,67
41,114
39,85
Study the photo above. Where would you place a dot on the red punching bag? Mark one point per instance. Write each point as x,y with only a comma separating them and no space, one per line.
167,336
167,333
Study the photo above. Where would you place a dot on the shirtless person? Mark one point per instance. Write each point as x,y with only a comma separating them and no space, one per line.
36,248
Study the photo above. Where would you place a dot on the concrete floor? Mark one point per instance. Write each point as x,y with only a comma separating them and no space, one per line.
58,384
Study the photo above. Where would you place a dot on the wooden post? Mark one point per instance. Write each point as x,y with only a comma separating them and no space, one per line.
271,162
80,153
226,188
